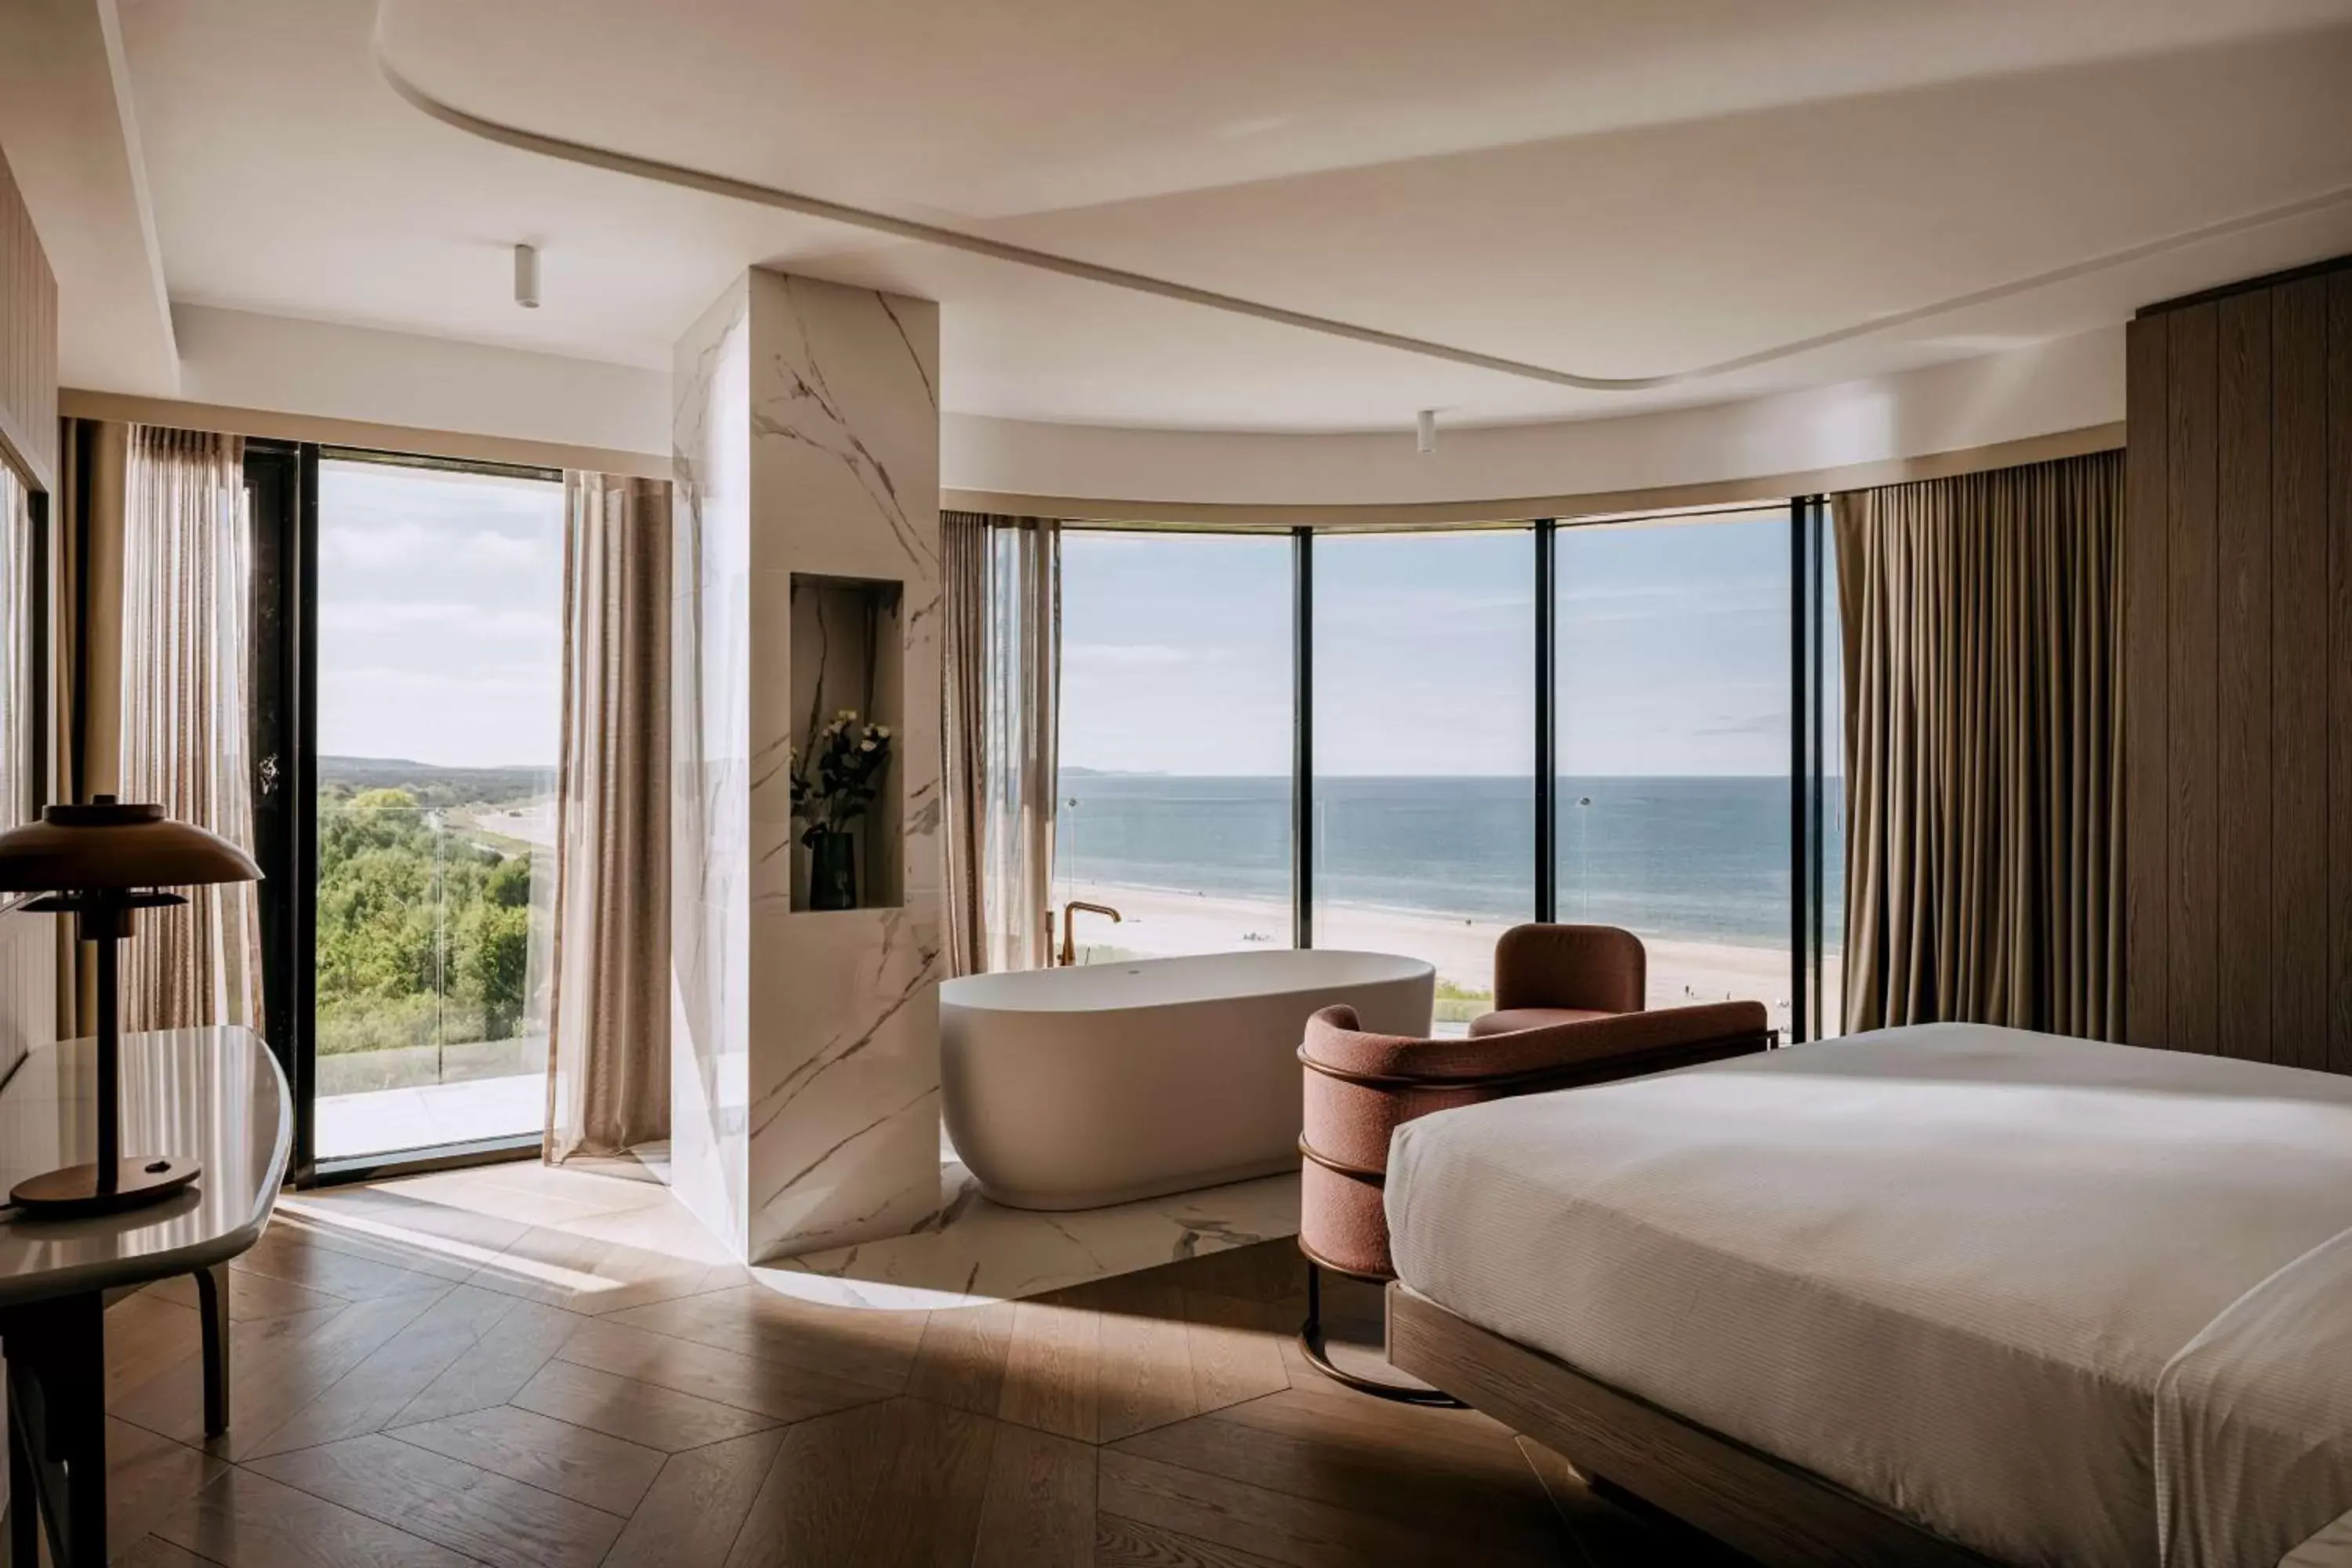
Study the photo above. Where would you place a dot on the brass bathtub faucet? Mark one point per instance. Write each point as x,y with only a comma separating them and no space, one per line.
1069,933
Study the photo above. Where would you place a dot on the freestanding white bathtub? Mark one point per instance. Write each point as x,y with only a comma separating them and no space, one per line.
1070,1089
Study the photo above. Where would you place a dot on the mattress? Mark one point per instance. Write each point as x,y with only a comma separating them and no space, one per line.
1952,1267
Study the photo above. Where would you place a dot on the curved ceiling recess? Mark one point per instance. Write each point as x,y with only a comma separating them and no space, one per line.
692,179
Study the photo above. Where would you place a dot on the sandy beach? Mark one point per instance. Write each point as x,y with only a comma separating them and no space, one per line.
1162,923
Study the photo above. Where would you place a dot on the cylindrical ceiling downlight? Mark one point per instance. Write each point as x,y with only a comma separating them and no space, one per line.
527,276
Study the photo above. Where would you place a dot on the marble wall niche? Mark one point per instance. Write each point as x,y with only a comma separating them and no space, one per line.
806,1062
847,658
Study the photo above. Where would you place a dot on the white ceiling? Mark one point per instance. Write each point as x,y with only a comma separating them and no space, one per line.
72,141
1614,189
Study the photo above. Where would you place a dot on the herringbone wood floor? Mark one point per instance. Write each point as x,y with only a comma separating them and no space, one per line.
495,1367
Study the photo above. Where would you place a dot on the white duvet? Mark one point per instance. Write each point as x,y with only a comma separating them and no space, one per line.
2062,1302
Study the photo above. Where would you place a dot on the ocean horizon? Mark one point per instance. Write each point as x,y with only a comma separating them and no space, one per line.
1702,857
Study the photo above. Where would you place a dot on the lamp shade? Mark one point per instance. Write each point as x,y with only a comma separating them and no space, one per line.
112,846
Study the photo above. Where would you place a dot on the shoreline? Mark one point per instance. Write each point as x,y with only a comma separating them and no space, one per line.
1163,923
1153,892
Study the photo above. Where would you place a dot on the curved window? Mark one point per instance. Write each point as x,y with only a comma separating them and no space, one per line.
1452,780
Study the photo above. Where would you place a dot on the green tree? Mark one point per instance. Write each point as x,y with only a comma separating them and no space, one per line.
424,934
498,959
509,883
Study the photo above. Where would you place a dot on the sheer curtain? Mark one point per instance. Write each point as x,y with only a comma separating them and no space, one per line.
1984,804
20,705
186,592
608,1012
963,722
1002,664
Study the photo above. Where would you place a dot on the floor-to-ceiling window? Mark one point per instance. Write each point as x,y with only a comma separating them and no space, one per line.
1685,732
1176,740
1673,711
437,616
1424,803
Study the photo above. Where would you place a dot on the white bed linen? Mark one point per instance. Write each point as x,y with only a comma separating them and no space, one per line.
2254,1422
1945,1266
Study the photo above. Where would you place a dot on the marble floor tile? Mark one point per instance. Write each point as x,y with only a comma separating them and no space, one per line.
980,1251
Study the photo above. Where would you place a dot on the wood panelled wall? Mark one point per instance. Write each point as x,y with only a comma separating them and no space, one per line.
2238,678
28,341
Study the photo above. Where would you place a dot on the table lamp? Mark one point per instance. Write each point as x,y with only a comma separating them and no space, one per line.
100,862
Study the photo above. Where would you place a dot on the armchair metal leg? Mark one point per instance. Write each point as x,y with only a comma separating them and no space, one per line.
1311,1345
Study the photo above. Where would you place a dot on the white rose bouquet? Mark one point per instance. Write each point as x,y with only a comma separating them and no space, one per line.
840,775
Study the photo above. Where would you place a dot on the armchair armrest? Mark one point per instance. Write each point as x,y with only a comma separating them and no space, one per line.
1633,1044
1590,1050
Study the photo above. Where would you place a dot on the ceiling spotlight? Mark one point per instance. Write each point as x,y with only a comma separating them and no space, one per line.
1425,426
527,276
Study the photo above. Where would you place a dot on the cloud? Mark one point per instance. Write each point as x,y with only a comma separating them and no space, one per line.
1772,723
376,547
361,617
1131,654
470,686
505,550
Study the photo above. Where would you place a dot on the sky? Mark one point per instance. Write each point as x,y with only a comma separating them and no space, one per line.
440,640
1673,652
440,615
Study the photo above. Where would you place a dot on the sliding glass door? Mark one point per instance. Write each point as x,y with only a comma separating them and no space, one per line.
438,619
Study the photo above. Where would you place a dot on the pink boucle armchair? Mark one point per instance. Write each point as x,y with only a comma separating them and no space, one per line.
1564,974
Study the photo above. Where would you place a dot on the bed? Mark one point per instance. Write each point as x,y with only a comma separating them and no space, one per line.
1946,1293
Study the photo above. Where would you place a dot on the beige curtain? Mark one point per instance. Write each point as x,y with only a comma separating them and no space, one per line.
27,953
608,1011
1983,724
185,649
1002,667
85,656
1022,731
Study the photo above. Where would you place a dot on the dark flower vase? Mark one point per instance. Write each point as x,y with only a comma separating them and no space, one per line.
833,871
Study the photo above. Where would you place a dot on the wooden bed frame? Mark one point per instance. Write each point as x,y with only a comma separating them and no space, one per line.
1773,1510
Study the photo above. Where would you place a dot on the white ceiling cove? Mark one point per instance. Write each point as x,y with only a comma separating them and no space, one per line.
1614,189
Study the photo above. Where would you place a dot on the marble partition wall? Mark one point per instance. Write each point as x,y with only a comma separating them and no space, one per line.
805,1048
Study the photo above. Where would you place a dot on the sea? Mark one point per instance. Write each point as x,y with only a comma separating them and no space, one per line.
1698,858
